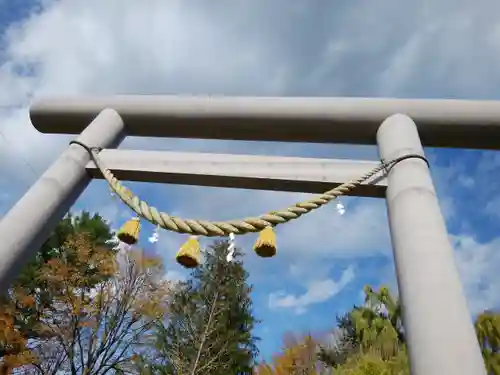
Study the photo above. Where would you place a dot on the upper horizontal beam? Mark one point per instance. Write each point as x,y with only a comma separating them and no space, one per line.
441,123
295,174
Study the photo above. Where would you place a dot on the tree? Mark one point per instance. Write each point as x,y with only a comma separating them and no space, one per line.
487,327
17,307
299,356
210,321
98,231
343,344
378,323
97,328
14,344
370,340
371,363
374,327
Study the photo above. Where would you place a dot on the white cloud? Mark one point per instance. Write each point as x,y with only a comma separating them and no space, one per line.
317,292
92,47
478,267
123,47
392,48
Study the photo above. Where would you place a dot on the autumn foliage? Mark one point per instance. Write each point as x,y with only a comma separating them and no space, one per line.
299,357
13,343
103,304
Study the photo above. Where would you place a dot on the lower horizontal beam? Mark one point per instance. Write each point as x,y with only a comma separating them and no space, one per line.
293,174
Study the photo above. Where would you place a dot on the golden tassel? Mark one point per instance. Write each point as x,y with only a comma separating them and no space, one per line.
129,232
189,253
265,246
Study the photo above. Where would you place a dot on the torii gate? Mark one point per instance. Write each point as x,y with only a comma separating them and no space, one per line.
437,322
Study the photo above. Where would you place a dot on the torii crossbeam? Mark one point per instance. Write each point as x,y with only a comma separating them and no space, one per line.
439,343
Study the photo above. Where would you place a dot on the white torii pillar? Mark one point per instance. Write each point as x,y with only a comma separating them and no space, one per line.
28,224
437,322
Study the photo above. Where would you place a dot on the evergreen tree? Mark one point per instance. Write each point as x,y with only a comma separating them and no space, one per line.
345,342
210,324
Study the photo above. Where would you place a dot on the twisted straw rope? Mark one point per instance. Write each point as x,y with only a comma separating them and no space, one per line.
224,228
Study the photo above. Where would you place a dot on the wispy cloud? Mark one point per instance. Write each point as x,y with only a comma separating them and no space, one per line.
317,291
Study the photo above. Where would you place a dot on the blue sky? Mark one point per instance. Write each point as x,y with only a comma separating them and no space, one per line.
388,48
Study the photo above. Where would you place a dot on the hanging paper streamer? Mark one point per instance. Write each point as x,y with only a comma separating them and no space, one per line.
123,257
230,249
156,235
123,247
340,208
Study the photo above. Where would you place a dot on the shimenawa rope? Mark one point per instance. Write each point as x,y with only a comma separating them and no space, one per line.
224,228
